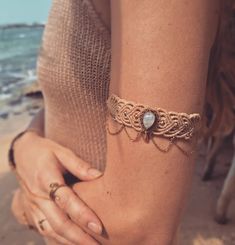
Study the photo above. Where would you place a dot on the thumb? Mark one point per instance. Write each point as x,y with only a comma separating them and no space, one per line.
75,165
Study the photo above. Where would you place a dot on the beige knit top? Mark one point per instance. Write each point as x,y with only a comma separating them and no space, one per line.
74,72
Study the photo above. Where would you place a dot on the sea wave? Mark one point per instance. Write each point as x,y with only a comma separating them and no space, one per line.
19,47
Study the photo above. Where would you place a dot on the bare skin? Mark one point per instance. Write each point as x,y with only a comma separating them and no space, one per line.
160,52
43,163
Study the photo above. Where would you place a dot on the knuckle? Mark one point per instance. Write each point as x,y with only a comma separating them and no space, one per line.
61,226
79,214
81,211
78,211
64,201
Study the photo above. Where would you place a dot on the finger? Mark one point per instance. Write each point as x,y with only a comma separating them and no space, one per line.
46,178
76,165
43,179
77,210
17,207
22,211
64,226
28,207
70,203
45,228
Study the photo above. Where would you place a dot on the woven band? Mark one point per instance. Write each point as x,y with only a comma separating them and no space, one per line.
152,121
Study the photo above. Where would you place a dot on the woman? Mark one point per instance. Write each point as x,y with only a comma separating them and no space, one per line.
130,191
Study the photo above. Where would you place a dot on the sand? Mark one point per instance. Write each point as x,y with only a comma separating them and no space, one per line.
198,226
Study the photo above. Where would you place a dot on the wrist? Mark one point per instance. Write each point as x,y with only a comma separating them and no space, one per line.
20,139
28,135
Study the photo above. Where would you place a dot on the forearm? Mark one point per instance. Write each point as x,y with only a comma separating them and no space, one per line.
160,52
37,123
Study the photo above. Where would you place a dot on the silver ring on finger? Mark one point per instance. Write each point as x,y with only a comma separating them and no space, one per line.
54,187
30,227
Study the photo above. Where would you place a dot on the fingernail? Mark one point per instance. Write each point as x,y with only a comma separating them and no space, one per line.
94,172
95,228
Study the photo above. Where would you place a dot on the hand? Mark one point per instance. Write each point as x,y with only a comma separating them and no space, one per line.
41,162
29,214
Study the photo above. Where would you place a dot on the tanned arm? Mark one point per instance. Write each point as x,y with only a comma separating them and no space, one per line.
160,52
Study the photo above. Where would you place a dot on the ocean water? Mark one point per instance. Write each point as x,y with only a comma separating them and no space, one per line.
19,48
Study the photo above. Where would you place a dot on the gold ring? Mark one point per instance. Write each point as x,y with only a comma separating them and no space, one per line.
40,223
31,227
54,187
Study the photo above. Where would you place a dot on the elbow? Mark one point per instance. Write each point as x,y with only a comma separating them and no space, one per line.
134,227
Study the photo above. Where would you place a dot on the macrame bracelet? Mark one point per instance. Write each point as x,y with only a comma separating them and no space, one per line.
11,157
149,122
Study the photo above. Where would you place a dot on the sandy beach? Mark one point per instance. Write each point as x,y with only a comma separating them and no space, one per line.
198,226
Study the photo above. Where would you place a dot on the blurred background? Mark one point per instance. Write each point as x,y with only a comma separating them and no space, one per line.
21,28
210,214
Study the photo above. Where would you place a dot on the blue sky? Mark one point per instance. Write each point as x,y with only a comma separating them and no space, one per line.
26,11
